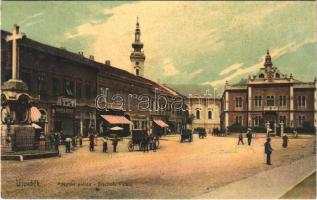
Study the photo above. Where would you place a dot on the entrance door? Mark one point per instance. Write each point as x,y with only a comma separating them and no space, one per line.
270,117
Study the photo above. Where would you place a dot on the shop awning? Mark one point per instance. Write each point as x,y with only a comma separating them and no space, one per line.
36,126
160,123
35,114
116,119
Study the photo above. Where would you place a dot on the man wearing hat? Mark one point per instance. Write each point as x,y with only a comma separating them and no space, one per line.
268,151
249,136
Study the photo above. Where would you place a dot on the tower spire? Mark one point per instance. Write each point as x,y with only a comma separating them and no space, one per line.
268,60
137,57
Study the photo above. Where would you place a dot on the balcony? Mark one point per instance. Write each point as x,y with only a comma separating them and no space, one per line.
270,108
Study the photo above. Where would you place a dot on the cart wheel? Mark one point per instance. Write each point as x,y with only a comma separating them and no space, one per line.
130,146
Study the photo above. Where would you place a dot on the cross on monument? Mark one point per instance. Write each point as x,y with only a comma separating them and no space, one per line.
16,35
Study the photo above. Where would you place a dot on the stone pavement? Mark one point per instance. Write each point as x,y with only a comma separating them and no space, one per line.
268,184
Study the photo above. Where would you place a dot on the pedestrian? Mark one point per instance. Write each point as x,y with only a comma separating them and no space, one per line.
240,139
68,141
80,141
249,136
115,143
91,142
56,142
62,137
268,151
285,141
105,146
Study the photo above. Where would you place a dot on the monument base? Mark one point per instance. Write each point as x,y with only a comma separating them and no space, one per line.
22,137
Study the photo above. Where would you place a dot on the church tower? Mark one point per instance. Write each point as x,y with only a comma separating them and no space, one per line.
137,57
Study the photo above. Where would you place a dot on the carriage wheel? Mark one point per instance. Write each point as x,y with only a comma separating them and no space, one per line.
130,146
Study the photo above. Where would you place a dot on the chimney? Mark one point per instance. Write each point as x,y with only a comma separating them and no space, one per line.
108,62
91,57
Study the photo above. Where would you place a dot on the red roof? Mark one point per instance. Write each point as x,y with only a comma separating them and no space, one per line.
116,119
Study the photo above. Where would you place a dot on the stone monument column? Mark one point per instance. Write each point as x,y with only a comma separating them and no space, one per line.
267,124
282,128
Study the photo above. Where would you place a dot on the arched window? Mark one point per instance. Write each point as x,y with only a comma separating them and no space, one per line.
277,75
137,72
261,76
197,114
209,114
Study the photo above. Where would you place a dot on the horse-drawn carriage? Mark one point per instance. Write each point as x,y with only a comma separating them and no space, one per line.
201,132
187,135
142,140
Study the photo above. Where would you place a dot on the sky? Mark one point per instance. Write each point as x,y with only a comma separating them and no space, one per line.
205,43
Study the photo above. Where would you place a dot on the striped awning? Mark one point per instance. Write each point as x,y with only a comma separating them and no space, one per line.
36,126
35,114
116,119
160,123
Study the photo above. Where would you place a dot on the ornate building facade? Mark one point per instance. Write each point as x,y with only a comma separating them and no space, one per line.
269,96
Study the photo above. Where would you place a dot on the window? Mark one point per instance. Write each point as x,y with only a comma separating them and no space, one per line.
238,102
137,63
209,114
301,120
197,114
56,87
88,91
41,84
270,100
69,88
282,101
137,72
258,101
257,121
277,75
78,90
301,101
283,119
239,120
261,76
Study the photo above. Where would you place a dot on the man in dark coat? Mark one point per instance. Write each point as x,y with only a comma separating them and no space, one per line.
240,139
80,141
105,146
56,141
249,136
285,141
114,144
91,142
268,151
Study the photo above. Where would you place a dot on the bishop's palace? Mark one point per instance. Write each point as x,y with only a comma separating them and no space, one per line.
63,86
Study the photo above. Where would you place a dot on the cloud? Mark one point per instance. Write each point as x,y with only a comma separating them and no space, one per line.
31,17
186,35
169,68
230,68
189,76
275,53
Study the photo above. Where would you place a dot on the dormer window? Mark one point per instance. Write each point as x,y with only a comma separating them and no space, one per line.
261,76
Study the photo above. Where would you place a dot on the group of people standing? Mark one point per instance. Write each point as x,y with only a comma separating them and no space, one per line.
58,138
267,145
93,143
